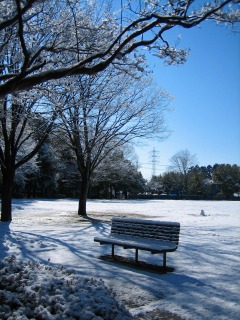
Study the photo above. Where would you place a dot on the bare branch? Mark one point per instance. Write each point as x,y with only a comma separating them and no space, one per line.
94,46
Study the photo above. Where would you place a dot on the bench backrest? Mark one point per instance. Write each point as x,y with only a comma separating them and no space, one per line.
161,230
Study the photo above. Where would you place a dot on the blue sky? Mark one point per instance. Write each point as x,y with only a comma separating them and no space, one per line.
206,91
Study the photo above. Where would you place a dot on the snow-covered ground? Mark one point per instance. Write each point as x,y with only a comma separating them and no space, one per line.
204,285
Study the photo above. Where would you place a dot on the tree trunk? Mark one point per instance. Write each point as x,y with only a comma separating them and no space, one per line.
82,207
7,190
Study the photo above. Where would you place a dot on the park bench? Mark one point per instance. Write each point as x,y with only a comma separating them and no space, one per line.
138,234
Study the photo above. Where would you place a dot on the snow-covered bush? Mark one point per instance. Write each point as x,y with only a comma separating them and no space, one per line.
31,290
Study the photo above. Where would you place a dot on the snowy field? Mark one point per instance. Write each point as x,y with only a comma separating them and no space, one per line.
53,247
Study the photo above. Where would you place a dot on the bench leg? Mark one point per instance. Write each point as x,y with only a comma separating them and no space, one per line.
164,260
136,256
113,250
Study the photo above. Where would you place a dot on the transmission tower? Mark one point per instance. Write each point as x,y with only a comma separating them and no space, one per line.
153,155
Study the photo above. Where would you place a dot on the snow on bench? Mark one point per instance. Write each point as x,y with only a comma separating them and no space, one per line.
149,235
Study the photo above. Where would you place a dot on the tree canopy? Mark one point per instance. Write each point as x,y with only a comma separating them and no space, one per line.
51,39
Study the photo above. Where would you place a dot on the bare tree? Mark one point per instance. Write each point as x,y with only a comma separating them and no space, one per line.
22,133
181,162
53,39
104,112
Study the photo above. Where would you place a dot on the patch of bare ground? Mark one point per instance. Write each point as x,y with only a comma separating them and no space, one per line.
63,218
158,315
107,217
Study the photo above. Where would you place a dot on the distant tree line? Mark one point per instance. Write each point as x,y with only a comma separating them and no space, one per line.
53,173
220,181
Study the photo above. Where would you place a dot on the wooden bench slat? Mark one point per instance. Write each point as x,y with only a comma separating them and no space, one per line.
138,243
164,231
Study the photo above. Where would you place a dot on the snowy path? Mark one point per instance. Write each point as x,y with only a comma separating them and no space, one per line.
206,280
